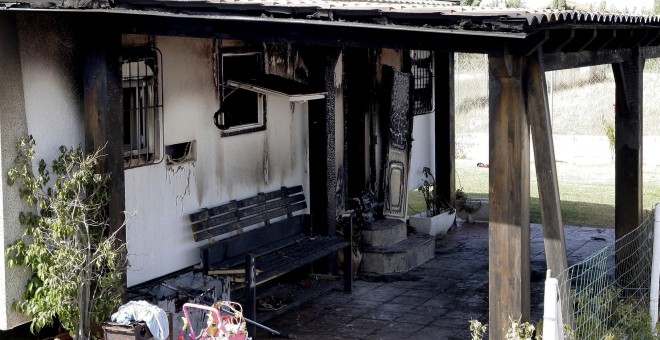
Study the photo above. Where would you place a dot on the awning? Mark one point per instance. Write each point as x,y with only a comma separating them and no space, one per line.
278,86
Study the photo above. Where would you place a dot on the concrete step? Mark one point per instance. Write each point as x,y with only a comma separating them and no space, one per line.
382,233
399,258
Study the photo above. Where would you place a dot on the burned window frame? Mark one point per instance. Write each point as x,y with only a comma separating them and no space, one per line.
226,92
143,112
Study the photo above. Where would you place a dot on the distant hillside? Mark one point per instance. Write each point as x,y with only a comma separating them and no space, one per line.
581,100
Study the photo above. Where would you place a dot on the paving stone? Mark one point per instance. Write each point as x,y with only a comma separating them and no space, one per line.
433,332
409,300
433,301
389,311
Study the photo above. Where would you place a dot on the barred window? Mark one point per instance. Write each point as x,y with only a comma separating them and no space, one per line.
143,108
421,67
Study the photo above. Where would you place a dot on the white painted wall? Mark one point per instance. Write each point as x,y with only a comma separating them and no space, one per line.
48,106
423,149
53,101
159,235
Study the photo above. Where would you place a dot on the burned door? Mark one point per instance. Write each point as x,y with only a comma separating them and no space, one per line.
398,130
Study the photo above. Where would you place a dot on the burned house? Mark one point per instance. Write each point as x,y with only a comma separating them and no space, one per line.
199,104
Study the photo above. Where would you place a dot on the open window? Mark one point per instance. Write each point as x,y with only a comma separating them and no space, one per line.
243,110
245,87
142,104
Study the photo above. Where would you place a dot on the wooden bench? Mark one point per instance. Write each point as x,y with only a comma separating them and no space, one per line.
273,249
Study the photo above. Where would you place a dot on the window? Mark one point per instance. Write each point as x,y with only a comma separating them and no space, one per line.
421,67
142,103
181,153
242,110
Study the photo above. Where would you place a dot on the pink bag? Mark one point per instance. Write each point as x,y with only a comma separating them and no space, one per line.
224,322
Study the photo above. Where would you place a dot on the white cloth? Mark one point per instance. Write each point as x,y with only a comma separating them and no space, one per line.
153,316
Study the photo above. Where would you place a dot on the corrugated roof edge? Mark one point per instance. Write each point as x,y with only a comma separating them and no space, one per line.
419,13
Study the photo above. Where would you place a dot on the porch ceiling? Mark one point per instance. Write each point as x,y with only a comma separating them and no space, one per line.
567,38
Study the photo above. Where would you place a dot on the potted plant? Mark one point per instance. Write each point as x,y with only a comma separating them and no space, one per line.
439,216
77,263
466,206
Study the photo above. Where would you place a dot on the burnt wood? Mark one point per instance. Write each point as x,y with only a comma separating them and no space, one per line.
103,118
581,39
628,77
281,242
562,61
445,126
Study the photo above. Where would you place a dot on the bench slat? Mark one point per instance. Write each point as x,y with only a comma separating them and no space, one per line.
282,258
238,260
300,261
285,259
233,216
235,223
238,245
233,205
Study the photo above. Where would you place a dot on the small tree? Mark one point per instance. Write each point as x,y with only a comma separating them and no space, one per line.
559,4
77,263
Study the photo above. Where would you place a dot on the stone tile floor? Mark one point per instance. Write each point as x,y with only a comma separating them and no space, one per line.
433,301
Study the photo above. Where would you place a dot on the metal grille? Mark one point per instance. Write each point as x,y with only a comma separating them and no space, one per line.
422,70
143,108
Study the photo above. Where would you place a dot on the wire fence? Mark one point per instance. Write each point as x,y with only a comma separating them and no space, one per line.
606,296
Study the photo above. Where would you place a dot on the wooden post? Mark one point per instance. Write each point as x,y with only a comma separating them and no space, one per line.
444,125
250,294
628,77
321,63
508,195
103,117
538,112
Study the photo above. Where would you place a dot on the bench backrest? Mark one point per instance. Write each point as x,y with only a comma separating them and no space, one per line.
237,215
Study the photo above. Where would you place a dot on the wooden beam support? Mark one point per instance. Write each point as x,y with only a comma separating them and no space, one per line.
628,77
103,117
509,259
540,121
649,52
444,125
538,112
562,61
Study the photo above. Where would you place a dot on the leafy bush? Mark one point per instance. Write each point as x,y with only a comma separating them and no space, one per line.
77,263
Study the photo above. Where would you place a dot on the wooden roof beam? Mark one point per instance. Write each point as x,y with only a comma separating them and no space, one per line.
562,61
557,40
582,39
603,38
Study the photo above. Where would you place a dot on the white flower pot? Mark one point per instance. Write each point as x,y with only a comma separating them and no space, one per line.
481,215
438,224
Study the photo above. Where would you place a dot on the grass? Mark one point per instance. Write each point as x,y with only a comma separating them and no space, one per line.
586,191
580,100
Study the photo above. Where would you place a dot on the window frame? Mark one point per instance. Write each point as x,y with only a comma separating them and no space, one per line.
141,71
226,92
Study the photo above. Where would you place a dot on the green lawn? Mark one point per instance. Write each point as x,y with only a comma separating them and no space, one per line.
586,191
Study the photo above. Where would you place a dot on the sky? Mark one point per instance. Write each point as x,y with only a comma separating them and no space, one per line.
633,6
